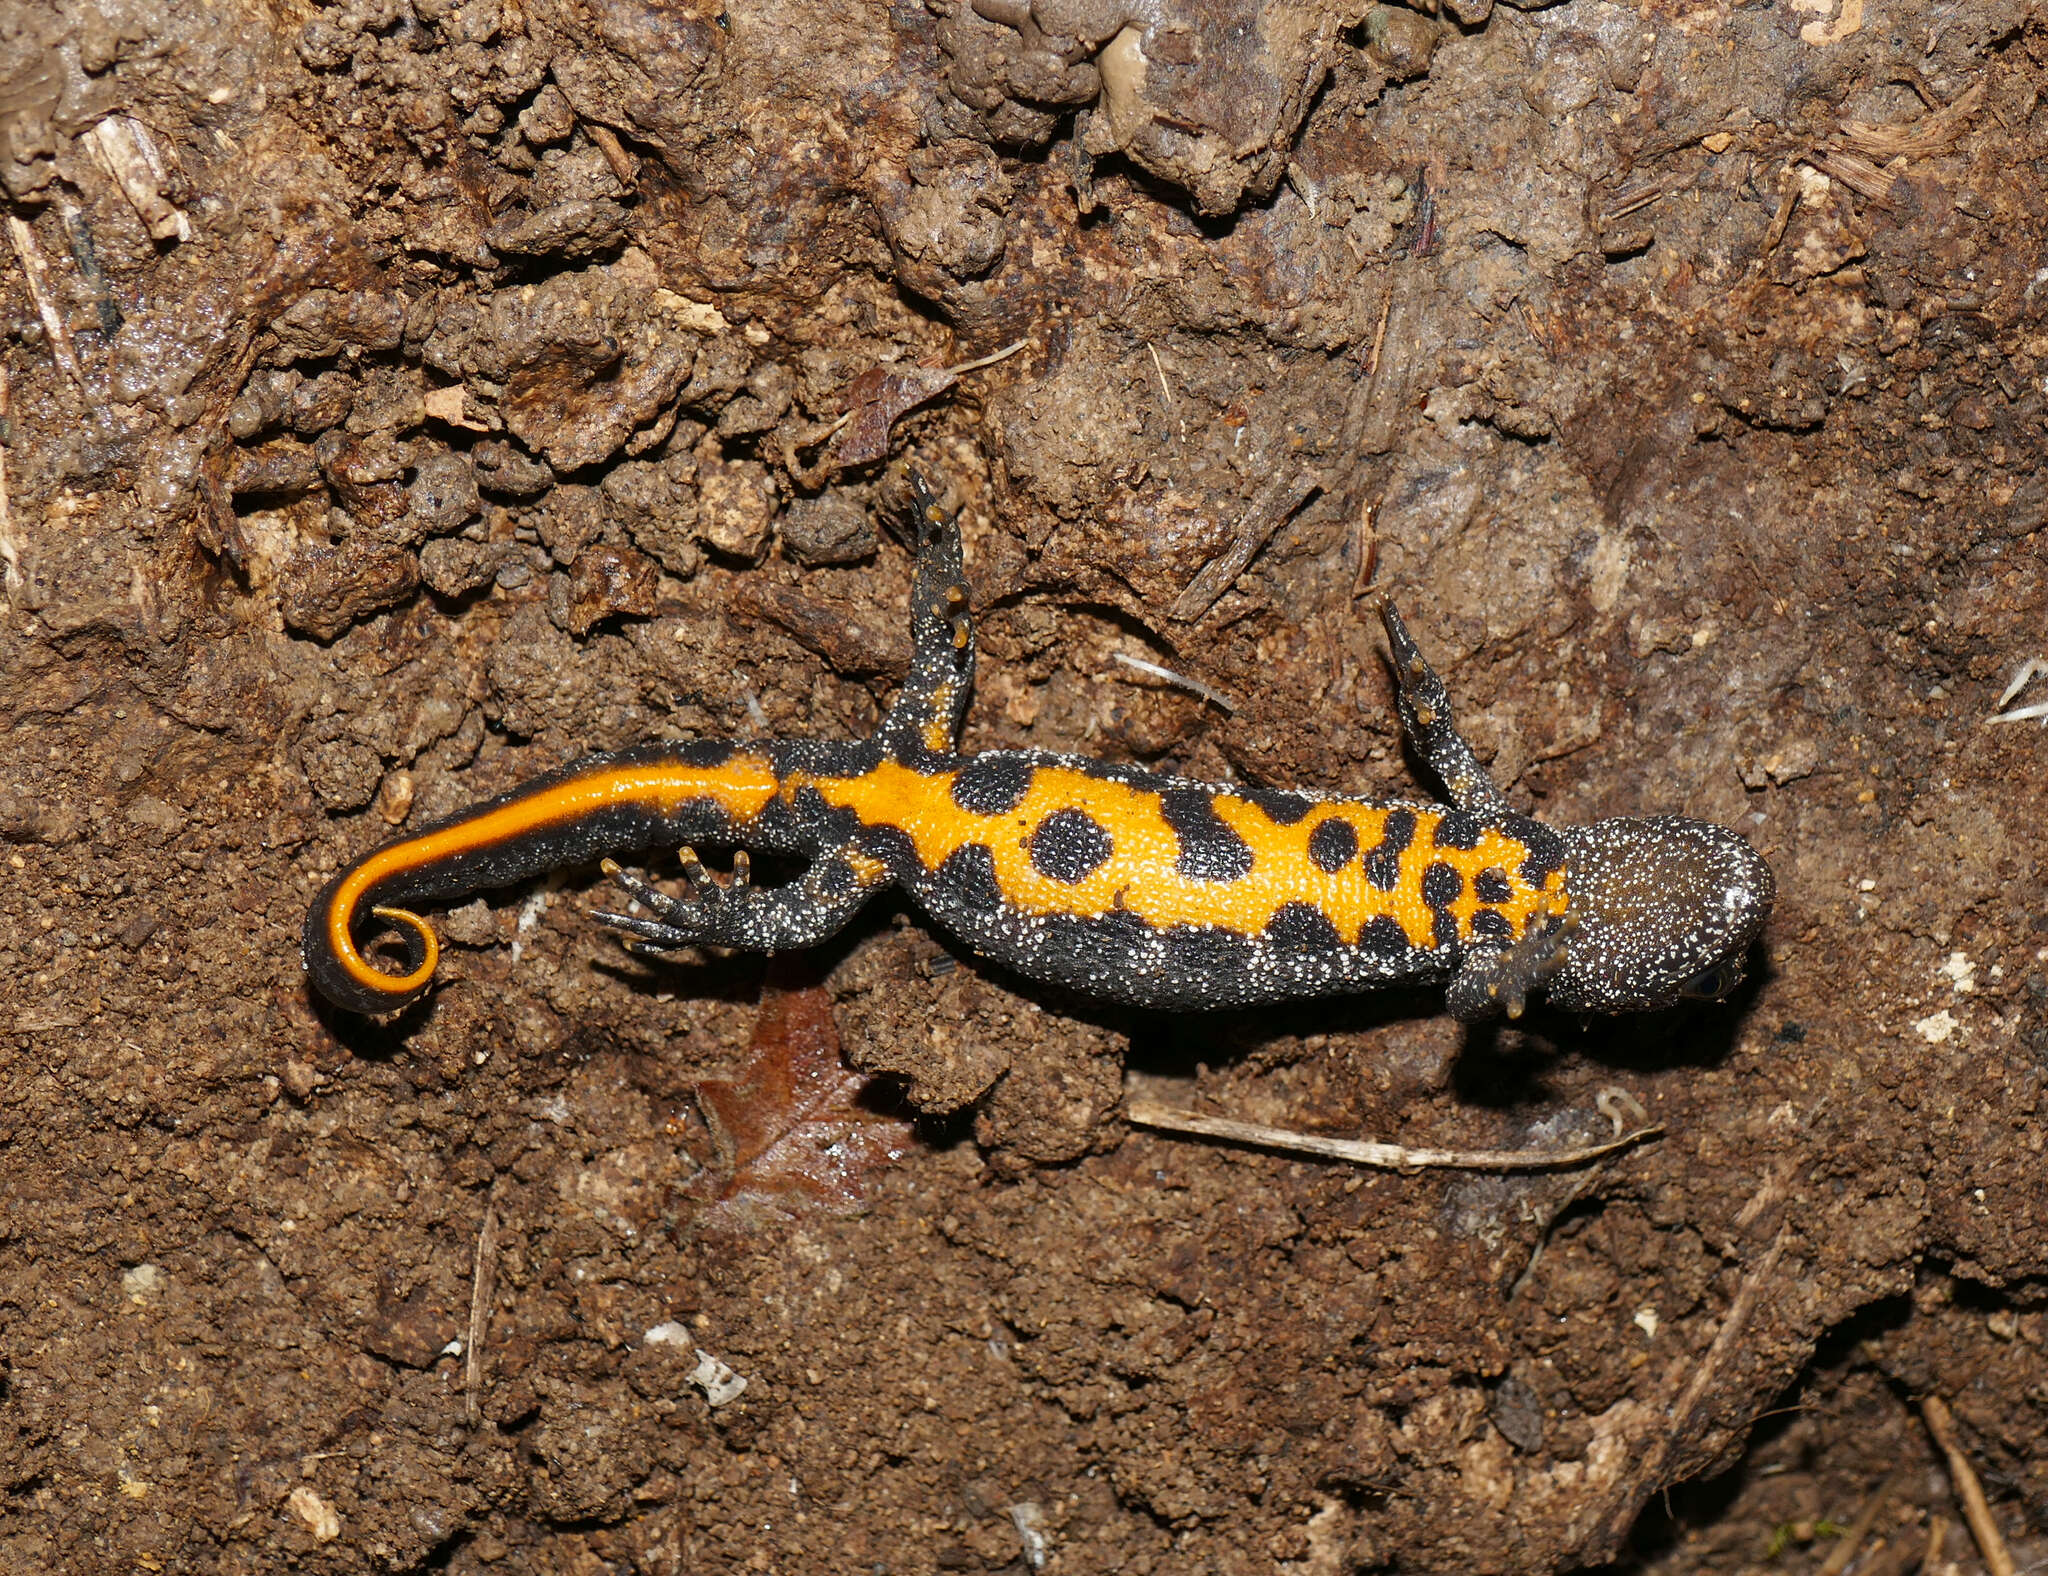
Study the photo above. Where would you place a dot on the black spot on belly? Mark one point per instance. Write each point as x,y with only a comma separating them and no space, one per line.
1068,846
1491,886
968,879
1458,830
1491,925
992,784
1333,844
1384,937
1445,926
1383,864
1209,850
1303,925
1441,885
1282,808
1546,848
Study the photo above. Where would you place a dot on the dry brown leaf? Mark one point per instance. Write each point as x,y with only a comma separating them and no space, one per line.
799,1130
876,398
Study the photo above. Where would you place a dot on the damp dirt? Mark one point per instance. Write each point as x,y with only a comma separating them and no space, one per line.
402,399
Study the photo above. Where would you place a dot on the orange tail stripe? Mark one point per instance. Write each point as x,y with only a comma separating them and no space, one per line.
741,787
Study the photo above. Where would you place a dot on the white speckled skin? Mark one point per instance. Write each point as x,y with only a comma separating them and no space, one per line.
1666,908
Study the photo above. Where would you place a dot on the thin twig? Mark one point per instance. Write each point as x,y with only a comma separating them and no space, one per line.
1582,1184
36,270
1379,333
1681,1417
1273,504
988,360
1159,367
1937,1535
483,1287
1732,1327
1365,539
1634,200
10,549
1845,1549
1363,1152
1941,1424
1215,697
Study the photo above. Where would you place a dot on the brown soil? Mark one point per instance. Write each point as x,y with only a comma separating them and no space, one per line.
405,396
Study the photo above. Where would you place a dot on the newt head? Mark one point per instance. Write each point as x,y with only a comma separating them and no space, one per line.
1666,908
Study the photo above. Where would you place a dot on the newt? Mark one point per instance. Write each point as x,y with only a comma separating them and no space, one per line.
1108,879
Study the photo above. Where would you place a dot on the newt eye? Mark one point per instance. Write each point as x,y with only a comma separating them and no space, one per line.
1714,983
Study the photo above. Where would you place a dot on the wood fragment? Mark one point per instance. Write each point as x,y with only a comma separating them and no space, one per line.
1365,1152
1787,202
1937,1535
623,165
1634,200
483,1290
1855,172
10,549
1273,504
1941,1424
122,146
35,269
1917,139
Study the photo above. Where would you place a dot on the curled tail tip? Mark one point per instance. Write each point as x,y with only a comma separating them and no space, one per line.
344,976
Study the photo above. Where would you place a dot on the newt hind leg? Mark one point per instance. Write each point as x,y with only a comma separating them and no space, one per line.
1426,719
810,909
931,708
